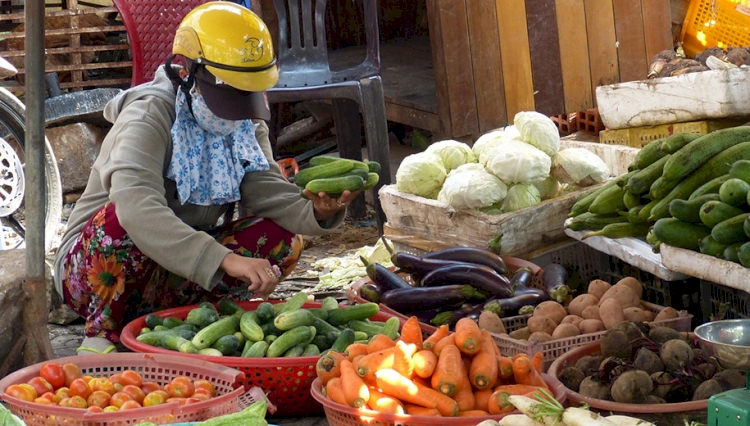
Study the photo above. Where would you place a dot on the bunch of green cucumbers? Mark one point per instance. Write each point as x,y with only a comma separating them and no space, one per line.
334,175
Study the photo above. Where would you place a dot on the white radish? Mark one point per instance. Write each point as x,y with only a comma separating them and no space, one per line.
628,421
573,416
518,420
531,408
488,422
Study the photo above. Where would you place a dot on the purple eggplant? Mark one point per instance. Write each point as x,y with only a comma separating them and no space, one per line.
522,278
450,318
416,265
370,292
511,306
481,277
473,255
410,299
383,277
555,279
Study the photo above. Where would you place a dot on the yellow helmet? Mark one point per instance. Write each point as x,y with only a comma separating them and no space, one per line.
232,42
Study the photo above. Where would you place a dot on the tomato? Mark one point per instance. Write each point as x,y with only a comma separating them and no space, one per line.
61,393
119,398
48,395
130,377
135,392
155,398
202,391
53,373
103,384
205,384
40,385
110,409
129,405
44,401
179,401
80,387
71,372
78,402
99,398
180,387
94,409
65,402
149,387
192,400
18,392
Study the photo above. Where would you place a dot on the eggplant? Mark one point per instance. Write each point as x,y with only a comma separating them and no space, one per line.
508,307
410,299
450,318
416,265
384,277
521,279
555,279
481,277
370,292
424,315
472,255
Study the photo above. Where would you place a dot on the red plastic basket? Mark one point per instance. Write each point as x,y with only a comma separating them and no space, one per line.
287,380
157,368
341,415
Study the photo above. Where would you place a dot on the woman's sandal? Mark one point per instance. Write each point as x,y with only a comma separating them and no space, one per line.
96,346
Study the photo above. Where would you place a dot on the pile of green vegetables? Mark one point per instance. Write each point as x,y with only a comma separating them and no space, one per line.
334,175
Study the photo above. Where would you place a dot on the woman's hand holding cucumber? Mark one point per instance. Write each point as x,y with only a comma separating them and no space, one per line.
326,206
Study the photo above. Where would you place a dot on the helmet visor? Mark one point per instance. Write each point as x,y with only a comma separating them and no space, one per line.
228,102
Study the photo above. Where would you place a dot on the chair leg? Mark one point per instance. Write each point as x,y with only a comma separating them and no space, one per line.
376,134
349,137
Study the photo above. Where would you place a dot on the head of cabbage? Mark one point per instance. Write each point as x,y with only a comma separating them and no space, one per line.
515,161
521,196
471,186
490,139
538,130
579,166
421,174
453,153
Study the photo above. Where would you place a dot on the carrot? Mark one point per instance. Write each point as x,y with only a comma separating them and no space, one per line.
392,383
335,392
422,381
436,336
383,403
483,370
328,366
355,390
481,398
424,363
356,359
379,342
449,373
505,367
467,364
473,413
447,340
411,332
537,361
416,410
398,357
355,349
465,398
525,373
517,389
499,404
468,336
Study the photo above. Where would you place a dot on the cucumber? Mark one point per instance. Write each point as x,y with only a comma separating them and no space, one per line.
594,222
154,338
250,328
645,212
710,247
323,328
743,254
631,200
661,187
240,337
311,350
289,320
675,142
202,317
293,303
335,186
608,201
364,174
680,234
265,311
633,215
361,335
208,305
701,150
172,322
329,303
161,328
366,327
325,159
731,230
731,253
345,339
392,326
319,313
373,166
689,210
152,320
227,345
583,203
295,351
343,315
145,330
710,187
648,155
227,306
210,352
641,182
334,168
734,192
269,329
255,349
186,326
322,342
621,230
740,170
289,339
207,336
270,338
178,343
371,181
713,212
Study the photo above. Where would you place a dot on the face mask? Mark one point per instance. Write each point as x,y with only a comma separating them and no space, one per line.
207,119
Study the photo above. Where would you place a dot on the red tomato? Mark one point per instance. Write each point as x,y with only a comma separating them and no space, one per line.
44,401
40,385
103,384
129,405
18,392
78,402
180,387
80,388
155,398
130,377
119,398
149,387
205,384
65,402
135,392
94,409
192,400
98,398
54,374
61,393
71,372
179,401
48,395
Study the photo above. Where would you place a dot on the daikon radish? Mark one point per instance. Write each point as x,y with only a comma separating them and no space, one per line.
579,417
518,420
628,421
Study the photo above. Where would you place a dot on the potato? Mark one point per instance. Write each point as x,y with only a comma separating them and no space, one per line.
565,330
540,337
598,288
623,294
582,302
666,313
591,326
572,319
635,314
650,315
592,312
634,285
491,322
551,310
520,334
541,323
611,312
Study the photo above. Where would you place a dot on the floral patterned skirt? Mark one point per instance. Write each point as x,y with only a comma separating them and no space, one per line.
109,281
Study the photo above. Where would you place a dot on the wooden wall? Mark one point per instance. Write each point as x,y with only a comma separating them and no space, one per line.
494,58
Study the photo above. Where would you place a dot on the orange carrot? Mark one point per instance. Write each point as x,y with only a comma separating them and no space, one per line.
449,373
525,373
467,363
398,357
356,359
355,349
538,360
328,366
379,342
335,392
481,398
355,390
392,383
505,367
447,340
517,389
436,336
468,336
465,399
483,371
416,410
383,403
424,363
473,413
422,381
411,332
499,404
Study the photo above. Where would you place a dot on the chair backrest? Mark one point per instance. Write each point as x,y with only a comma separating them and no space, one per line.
151,26
302,48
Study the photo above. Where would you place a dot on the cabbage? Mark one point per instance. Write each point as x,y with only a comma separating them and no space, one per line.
492,138
538,130
453,153
471,186
421,174
548,188
514,161
521,196
579,166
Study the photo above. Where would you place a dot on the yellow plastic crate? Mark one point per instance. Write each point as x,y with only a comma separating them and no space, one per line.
639,137
710,23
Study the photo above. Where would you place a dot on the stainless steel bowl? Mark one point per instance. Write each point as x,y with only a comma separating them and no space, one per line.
728,341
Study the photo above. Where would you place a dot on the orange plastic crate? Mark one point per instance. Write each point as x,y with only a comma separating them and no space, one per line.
710,23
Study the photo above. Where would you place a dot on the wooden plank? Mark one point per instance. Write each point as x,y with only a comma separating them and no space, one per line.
576,74
706,267
516,56
657,24
412,117
458,68
544,47
600,32
487,64
438,61
631,41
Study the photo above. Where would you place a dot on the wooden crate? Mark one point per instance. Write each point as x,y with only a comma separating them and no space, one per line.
639,137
